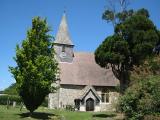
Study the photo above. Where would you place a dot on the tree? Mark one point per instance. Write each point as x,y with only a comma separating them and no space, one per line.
157,47
11,90
36,66
113,14
141,35
132,42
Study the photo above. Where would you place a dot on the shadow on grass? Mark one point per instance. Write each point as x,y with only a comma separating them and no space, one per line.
38,115
104,115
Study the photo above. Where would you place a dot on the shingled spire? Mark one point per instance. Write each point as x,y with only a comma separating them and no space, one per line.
63,36
63,45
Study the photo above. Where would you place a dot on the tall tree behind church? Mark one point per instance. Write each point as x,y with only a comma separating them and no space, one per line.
36,66
133,41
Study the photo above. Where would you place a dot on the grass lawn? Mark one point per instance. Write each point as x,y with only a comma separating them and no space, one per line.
44,114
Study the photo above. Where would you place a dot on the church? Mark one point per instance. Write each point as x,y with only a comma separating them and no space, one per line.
82,83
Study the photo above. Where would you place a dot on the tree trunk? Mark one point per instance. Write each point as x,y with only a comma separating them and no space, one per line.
124,81
31,113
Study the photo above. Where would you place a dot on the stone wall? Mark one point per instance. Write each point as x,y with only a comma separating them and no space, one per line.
111,105
68,93
53,100
65,96
113,98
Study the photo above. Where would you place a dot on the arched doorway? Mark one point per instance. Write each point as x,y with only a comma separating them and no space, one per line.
89,104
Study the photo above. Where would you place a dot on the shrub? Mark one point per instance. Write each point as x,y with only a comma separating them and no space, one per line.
141,99
11,98
45,102
152,117
70,107
11,90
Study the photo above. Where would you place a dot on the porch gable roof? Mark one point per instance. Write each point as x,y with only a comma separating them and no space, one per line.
87,89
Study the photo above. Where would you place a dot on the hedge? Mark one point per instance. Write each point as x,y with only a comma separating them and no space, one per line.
17,99
10,98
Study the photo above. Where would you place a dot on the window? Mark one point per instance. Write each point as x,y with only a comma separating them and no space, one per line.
63,48
105,96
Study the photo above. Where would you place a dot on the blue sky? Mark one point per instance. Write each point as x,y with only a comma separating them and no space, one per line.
86,27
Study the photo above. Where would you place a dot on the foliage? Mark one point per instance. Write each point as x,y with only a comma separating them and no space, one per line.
141,99
11,90
143,12
36,66
133,41
116,18
140,34
152,117
113,14
11,98
45,102
12,95
114,50
151,66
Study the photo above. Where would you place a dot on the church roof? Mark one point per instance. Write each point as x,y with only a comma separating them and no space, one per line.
84,71
63,36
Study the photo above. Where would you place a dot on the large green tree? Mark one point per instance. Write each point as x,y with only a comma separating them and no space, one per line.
36,65
133,40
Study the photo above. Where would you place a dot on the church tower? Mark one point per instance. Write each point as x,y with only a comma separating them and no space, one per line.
63,45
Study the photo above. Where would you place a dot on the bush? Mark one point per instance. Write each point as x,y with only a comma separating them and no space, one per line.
45,102
70,107
17,99
152,117
11,90
10,98
141,99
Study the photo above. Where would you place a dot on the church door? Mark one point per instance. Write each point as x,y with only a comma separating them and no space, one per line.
89,104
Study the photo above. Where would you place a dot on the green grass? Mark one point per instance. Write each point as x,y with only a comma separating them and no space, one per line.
16,114
45,114
69,115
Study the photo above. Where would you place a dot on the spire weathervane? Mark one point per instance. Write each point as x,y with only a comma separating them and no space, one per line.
64,9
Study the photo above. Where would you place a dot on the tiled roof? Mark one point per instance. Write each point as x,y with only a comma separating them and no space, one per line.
84,71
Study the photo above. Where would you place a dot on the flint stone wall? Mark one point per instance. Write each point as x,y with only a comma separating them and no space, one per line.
68,93
65,95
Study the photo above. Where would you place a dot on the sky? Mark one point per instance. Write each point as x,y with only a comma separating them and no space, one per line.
86,27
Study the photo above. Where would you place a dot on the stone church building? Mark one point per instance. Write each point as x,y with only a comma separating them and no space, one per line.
82,83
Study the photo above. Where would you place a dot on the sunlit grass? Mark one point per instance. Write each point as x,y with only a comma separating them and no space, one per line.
43,113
